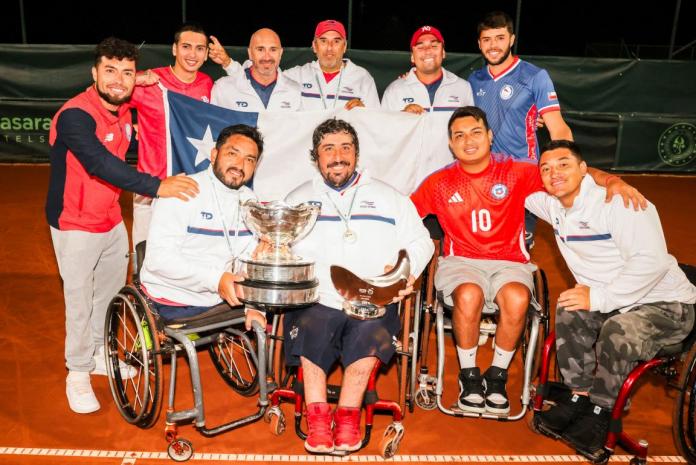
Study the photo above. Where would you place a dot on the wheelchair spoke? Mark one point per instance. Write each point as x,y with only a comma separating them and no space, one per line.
233,358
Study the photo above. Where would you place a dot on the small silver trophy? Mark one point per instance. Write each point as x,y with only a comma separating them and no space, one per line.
277,277
366,298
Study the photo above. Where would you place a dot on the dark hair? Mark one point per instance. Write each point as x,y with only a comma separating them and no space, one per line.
243,130
463,112
190,26
113,47
496,20
564,144
332,126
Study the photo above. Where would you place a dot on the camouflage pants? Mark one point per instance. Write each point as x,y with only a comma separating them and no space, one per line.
596,351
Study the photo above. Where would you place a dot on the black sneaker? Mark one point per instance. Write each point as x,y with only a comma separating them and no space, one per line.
471,390
567,409
588,432
496,396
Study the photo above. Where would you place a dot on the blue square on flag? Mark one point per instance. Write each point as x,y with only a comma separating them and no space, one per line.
192,129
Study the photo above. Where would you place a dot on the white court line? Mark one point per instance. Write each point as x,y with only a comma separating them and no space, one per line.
130,457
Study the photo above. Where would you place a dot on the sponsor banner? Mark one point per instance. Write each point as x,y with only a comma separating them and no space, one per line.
24,127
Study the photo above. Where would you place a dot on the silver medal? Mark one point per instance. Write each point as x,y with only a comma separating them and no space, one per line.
350,236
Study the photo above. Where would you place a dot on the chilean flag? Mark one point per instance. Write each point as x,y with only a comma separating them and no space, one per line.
395,147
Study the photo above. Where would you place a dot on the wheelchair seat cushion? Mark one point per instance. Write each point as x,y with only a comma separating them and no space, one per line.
216,314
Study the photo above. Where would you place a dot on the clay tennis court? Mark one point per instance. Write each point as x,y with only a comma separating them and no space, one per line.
39,428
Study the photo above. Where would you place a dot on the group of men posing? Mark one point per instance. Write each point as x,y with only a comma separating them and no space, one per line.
628,289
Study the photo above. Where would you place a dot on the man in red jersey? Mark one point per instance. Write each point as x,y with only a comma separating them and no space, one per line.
190,50
479,201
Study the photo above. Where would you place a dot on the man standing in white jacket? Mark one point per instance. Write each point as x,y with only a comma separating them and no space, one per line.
192,246
333,81
362,225
630,300
260,86
327,83
428,87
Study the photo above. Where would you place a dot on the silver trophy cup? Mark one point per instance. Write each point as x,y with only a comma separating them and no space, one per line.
367,298
277,277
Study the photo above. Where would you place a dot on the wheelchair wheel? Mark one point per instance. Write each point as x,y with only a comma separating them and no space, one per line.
131,339
232,356
684,410
542,296
180,450
407,352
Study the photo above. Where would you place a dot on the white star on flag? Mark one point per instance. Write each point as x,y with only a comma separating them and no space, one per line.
203,146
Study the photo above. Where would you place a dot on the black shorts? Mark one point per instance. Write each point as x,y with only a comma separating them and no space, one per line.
323,335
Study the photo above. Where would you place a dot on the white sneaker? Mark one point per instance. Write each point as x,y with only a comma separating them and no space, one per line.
81,398
127,371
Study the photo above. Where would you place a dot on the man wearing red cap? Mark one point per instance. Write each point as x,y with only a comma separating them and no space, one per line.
428,87
329,82
333,81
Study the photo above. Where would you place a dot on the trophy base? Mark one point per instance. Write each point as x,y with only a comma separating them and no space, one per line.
278,272
275,296
363,310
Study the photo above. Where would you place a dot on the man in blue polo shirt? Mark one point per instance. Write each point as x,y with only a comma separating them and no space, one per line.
514,94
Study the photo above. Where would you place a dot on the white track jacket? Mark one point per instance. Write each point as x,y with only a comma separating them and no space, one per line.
620,254
384,221
186,248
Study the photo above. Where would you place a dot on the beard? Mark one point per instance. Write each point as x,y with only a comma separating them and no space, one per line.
231,184
502,58
337,179
112,100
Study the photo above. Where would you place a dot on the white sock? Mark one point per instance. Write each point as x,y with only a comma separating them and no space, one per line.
467,357
502,358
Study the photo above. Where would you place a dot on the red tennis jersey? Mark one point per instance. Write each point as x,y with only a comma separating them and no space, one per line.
152,142
482,214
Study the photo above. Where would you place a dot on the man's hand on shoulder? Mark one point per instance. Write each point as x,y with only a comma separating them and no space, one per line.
180,186
226,288
630,195
146,78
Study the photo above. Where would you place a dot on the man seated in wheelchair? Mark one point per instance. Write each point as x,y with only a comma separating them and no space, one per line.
630,300
362,225
193,243
479,202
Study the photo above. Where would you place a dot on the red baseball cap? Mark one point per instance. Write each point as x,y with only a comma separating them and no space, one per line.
330,25
426,30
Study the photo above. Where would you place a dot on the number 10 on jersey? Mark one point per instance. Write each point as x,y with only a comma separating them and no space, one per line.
480,220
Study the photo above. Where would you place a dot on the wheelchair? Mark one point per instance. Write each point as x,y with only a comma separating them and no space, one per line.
292,390
429,389
135,334
676,363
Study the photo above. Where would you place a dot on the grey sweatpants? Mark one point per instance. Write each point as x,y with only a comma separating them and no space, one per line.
596,351
93,267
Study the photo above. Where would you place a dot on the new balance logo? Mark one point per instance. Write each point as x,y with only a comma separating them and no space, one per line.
456,198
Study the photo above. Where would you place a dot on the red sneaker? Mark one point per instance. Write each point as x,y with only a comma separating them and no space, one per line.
319,437
347,435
